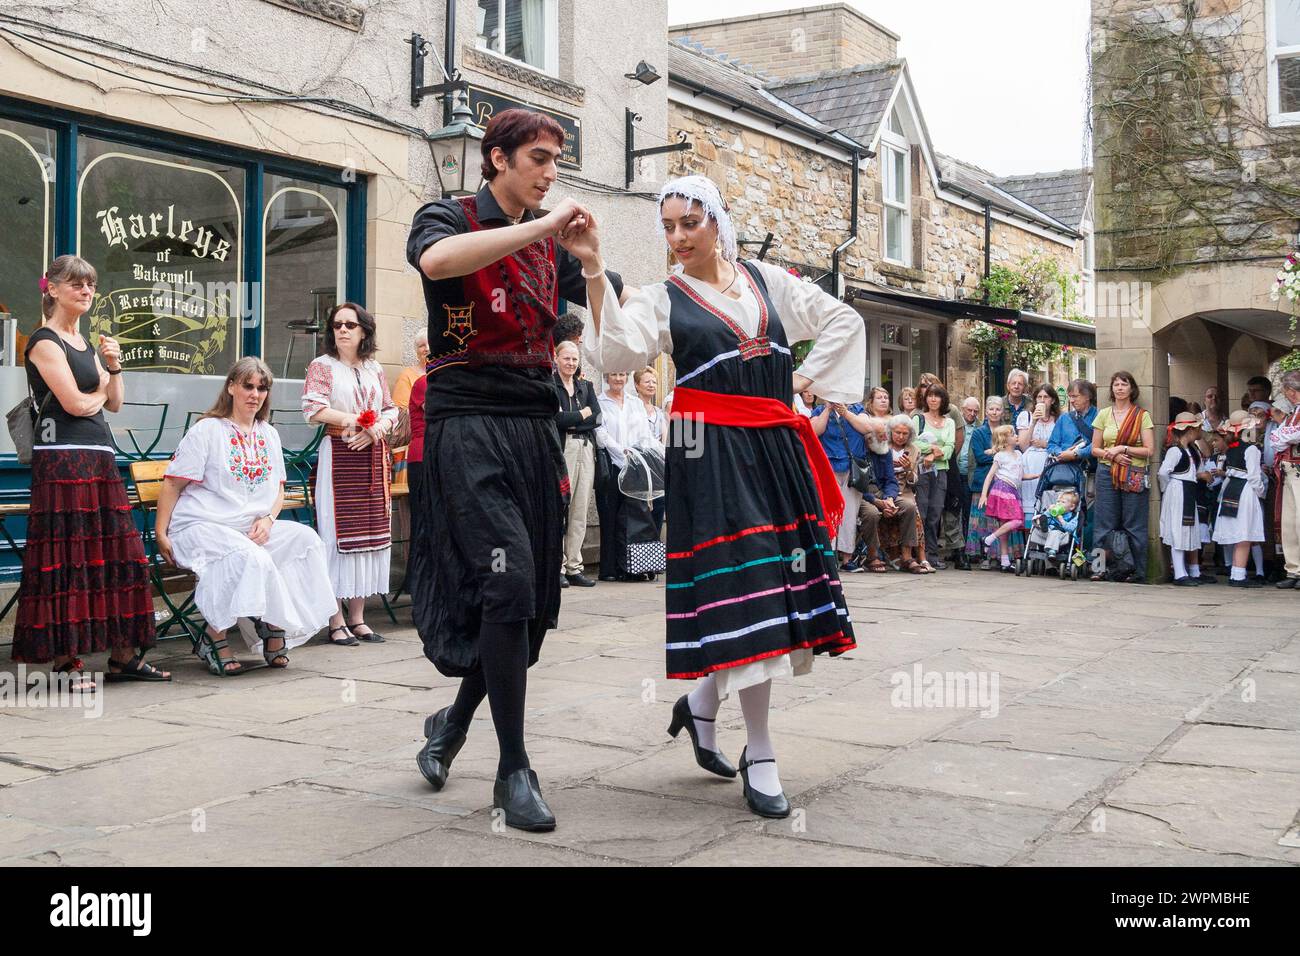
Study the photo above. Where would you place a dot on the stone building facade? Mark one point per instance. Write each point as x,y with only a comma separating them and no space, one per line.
1195,175
286,130
766,133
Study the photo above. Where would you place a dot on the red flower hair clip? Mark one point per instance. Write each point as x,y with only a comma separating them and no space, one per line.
367,419
44,284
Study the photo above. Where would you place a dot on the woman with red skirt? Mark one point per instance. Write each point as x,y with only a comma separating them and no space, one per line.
85,581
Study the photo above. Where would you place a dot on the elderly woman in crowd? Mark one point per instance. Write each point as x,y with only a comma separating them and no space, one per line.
630,549
347,392
412,373
907,401
577,420
903,531
646,384
218,516
981,458
1016,400
85,580
1123,441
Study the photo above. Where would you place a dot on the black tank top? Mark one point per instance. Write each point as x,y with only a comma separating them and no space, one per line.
54,426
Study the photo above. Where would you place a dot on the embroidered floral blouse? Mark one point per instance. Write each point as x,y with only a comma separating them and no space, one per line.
233,477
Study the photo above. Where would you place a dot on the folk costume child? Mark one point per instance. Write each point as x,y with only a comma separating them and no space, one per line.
1181,476
1240,519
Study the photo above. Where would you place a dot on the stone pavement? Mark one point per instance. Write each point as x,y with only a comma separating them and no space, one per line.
1130,726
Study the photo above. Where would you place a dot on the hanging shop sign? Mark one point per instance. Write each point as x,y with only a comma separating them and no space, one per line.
485,104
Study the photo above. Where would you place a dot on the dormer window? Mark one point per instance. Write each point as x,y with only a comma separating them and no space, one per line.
896,192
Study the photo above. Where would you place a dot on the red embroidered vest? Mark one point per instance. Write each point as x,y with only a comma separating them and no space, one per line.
507,314
1289,453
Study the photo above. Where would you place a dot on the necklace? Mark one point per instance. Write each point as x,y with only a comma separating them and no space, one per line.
734,275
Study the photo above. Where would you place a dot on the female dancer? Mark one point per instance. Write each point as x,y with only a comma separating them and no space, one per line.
753,590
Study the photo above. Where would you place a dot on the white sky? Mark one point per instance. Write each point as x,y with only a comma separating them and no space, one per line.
1001,83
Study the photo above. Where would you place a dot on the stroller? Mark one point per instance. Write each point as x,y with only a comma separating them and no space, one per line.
1055,542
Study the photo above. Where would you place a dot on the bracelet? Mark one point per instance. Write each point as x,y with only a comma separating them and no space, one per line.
114,371
596,275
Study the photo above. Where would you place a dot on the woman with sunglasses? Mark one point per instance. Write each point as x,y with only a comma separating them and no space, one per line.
346,391
218,515
85,583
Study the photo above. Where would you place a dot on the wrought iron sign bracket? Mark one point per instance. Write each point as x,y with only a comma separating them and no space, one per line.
632,152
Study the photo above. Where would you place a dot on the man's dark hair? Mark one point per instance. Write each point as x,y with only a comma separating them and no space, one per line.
513,128
568,328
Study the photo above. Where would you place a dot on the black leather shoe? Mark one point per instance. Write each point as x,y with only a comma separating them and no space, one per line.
579,581
445,741
963,562
710,760
1185,582
1246,583
521,798
775,807
608,577
564,581
1287,583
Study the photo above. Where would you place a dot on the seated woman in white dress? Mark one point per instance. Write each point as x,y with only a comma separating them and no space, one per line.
217,516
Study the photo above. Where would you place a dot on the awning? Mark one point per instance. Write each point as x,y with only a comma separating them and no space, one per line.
1027,325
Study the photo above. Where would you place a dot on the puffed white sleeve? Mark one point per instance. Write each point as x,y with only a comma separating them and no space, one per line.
1254,476
190,460
631,335
1167,466
837,364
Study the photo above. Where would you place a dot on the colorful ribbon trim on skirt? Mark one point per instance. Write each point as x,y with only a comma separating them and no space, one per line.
740,411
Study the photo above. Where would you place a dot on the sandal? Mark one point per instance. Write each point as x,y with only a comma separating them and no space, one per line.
370,637
272,656
134,669
878,567
350,642
926,567
911,566
77,680
209,651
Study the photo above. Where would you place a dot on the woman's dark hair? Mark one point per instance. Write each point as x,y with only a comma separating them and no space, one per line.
1083,385
1176,406
513,128
367,347
568,328
934,389
1134,392
1053,400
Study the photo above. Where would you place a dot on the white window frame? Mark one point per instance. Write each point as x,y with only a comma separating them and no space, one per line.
1088,274
891,143
1275,53
551,42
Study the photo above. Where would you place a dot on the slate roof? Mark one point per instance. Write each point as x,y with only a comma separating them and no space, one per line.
983,186
710,72
852,100
1062,195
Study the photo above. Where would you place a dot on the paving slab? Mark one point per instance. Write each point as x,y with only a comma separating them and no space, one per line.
1259,699
66,738
750,850
1073,731
1215,745
1022,777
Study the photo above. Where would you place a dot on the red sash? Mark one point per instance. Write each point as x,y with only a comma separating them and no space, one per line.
738,411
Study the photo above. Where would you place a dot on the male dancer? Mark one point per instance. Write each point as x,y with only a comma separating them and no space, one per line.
486,584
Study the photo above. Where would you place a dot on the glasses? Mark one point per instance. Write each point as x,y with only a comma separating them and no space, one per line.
250,387
81,284
339,324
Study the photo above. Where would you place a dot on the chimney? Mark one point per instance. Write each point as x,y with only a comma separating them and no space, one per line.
788,43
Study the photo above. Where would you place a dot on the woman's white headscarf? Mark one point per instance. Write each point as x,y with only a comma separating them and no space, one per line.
701,189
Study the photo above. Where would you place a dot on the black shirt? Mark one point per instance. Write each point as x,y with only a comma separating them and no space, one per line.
54,426
569,420
484,389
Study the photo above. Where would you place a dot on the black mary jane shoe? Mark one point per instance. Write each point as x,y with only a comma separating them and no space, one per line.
370,637
445,741
710,760
765,805
1185,582
520,796
351,640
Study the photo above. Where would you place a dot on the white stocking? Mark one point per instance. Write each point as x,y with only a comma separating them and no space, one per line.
755,702
1180,564
703,702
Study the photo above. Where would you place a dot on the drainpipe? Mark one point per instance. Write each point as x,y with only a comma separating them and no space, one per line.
853,228
449,64
988,252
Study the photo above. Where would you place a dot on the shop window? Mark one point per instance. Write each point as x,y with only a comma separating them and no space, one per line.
303,269
27,156
165,233
1284,61
925,352
523,30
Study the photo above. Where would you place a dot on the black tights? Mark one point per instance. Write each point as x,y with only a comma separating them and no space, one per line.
503,679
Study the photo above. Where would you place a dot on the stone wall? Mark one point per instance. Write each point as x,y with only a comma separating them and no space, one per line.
796,42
